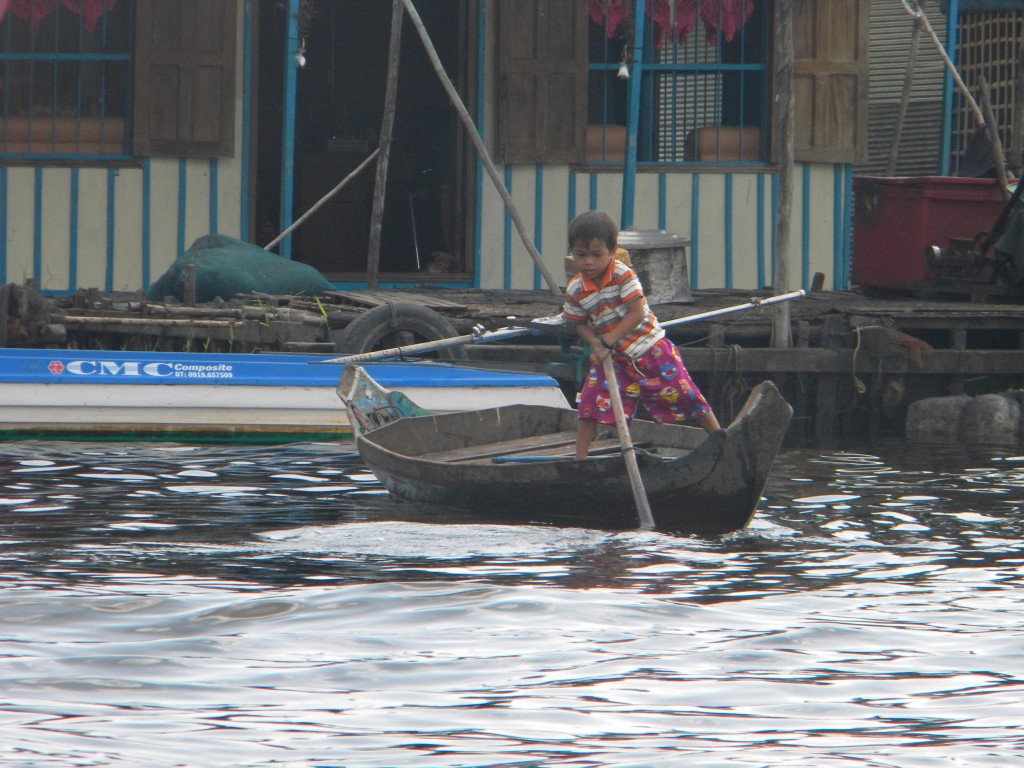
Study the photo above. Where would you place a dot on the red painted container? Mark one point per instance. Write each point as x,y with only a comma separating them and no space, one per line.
896,218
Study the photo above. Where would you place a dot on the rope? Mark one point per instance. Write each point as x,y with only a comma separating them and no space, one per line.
857,383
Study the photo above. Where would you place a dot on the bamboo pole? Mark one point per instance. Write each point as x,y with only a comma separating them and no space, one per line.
478,142
386,130
998,156
908,78
922,19
643,506
295,224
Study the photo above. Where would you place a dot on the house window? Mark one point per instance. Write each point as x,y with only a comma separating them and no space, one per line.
703,76
64,79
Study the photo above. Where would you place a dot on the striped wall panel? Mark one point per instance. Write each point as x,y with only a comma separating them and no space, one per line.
118,229
729,219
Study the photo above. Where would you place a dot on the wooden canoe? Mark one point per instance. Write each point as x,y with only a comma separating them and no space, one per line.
516,464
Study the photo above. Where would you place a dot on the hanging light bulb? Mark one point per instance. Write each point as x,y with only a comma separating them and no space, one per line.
623,73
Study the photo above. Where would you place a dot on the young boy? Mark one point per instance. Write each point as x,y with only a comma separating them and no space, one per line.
606,303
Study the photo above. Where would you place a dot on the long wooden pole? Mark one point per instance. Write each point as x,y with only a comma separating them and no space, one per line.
295,224
784,55
908,80
998,156
478,142
503,334
643,506
386,129
922,19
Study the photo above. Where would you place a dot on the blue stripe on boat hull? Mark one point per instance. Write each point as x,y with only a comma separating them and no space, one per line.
53,366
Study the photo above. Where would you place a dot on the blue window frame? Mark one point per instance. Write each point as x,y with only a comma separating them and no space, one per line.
65,80
704,86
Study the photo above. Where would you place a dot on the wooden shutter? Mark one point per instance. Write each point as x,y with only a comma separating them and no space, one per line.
830,80
542,81
184,78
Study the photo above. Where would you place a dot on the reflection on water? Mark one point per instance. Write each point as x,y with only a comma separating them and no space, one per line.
185,605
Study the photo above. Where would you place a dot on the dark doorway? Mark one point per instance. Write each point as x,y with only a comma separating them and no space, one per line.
339,108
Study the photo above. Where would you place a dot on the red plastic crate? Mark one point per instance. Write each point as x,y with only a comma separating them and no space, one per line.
896,218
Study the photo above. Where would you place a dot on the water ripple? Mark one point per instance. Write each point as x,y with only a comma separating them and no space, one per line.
273,607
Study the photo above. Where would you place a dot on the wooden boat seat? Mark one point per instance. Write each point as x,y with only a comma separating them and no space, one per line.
554,445
504,448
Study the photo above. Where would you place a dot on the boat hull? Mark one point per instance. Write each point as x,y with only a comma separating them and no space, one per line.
247,397
695,483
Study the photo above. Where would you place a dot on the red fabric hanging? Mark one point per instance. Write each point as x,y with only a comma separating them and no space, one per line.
725,15
33,10
37,10
91,10
686,19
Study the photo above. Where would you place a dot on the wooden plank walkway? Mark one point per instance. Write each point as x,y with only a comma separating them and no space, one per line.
855,363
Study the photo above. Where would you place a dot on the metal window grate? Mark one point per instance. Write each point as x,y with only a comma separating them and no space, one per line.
703,96
64,80
988,44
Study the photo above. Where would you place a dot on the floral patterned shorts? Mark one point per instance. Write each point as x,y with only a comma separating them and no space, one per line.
657,378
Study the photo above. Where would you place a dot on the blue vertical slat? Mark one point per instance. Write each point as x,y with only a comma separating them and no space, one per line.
538,218
571,202
839,223
147,224
775,224
182,203
805,225
37,228
695,232
592,204
3,225
844,282
760,231
481,79
947,86
507,236
288,126
727,224
662,202
633,117
73,234
213,195
247,61
111,228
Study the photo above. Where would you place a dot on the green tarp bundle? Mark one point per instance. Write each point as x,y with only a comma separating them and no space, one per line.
226,267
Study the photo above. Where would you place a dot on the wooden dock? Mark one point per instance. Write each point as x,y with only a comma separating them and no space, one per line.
854,364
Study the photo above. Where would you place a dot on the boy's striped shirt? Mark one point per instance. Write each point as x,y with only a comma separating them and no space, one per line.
605,305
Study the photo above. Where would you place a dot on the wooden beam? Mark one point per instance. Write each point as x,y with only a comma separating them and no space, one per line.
386,129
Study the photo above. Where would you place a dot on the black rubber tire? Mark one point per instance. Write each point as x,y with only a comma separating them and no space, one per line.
399,324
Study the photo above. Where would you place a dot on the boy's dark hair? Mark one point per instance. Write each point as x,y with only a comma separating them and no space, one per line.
593,225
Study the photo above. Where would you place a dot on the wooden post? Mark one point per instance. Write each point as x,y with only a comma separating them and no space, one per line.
784,55
481,150
188,291
386,129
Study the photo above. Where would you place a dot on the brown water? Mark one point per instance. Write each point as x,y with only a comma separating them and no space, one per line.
222,606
